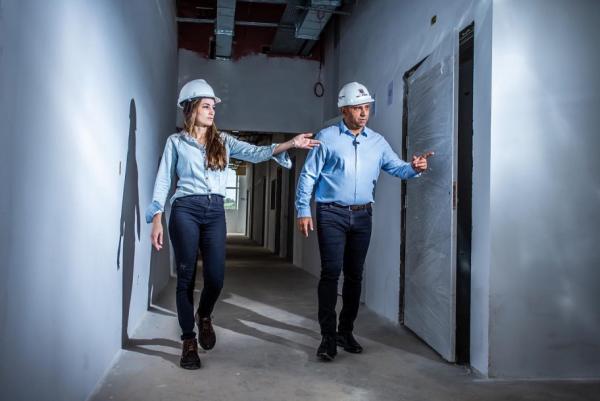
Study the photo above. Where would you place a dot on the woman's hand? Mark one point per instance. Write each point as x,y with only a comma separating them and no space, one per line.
157,232
303,141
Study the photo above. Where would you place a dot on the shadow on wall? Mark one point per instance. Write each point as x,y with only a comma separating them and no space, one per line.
129,224
159,266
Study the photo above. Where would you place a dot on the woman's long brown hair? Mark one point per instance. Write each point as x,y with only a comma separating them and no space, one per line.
216,154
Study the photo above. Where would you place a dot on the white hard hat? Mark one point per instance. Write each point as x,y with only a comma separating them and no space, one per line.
354,93
198,88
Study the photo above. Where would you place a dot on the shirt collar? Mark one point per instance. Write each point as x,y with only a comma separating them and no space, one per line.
344,129
190,139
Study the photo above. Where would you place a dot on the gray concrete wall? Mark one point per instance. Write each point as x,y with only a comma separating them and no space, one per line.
545,189
87,99
259,93
378,55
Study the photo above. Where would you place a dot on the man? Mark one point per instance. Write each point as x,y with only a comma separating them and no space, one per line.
344,170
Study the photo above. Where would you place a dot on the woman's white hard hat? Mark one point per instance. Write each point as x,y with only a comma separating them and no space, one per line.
197,88
354,93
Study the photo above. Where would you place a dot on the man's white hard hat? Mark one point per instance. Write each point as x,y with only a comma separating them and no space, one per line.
198,88
354,93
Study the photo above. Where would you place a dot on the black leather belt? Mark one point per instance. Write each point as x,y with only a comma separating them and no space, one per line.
349,207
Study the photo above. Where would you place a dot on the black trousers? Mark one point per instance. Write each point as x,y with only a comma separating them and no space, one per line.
344,237
198,221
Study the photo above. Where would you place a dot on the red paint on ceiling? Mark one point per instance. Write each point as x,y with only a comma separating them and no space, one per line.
259,12
247,40
251,40
195,37
197,9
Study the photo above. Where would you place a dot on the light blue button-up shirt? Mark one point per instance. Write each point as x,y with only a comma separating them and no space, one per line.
184,156
344,168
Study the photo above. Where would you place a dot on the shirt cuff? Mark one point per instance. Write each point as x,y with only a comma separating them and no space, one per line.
282,158
152,209
304,212
413,173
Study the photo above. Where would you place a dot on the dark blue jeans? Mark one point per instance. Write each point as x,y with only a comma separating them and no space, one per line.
197,221
344,237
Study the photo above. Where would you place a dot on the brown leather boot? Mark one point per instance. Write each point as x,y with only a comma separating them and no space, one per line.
327,349
189,354
207,337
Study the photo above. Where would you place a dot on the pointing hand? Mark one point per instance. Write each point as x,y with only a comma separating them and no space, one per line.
419,163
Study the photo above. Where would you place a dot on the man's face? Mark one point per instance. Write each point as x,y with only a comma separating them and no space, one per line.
356,117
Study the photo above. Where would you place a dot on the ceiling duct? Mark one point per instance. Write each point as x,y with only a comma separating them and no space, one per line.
224,28
284,41
315,18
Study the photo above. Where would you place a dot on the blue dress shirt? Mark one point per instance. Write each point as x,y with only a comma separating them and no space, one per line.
345,168
184,156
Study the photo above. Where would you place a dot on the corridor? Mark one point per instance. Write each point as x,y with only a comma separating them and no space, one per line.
266,339
481,280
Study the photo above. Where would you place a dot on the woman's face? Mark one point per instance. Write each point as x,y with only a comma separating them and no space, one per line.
205,113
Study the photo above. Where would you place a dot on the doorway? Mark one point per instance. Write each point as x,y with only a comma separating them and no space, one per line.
278,190
257,207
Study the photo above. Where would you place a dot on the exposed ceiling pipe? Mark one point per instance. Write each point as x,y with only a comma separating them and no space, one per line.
315,18
237,23
284,41
264,1
224,28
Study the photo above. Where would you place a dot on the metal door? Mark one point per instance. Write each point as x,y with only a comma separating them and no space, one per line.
430,247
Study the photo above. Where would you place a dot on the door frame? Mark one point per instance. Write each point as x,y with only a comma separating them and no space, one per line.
464,195
278,209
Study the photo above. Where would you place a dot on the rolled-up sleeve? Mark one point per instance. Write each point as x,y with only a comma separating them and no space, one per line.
255,154
162,185
309,175
394,165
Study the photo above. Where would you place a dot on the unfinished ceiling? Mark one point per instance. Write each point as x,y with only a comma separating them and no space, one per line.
230,29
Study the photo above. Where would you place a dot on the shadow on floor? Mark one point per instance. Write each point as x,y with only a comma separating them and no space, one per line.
137,345
265,283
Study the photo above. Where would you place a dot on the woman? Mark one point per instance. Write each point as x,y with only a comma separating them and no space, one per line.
199,155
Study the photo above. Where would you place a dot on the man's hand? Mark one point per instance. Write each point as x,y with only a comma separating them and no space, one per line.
419,163
305,224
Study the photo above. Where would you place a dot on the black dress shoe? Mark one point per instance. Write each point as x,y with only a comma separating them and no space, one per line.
347,341
189,354
327,350
207,337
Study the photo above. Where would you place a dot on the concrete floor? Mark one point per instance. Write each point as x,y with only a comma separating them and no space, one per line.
267,336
